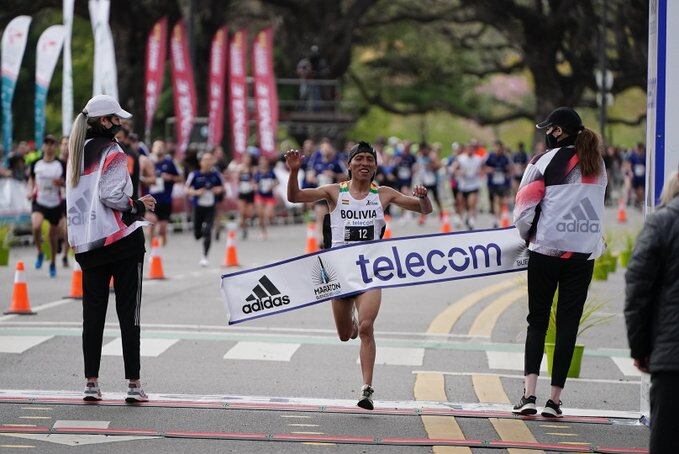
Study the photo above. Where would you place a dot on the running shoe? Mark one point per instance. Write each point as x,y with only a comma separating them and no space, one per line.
135,393
526,406
92,392
552,409
64,261
38,261
203,262
366,399
354,321
53,270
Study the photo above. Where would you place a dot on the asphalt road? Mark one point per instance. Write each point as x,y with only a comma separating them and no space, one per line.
449,366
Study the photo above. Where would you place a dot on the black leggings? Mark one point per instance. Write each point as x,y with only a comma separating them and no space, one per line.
203,218
573,278
127,276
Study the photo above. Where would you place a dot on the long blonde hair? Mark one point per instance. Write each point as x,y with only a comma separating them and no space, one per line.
670,189
76,145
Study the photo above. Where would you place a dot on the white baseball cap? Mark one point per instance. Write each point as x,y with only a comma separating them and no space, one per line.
103,105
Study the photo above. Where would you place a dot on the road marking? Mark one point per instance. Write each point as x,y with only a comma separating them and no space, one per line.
489,389
444,321
42,307
485,322
78,440
510,361
554,426
70,423
394,356
626,366
262,351
149,347
19,344
303,425
315,443
296,416
307,433
17,446
521,377
574,443
431,387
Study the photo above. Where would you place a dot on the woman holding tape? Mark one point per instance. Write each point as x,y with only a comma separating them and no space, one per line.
357,214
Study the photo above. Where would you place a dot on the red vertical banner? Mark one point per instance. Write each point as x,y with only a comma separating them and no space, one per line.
183,87
238,91
156,51
216,82
266,97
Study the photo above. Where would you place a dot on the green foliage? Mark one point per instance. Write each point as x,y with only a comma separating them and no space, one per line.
590,318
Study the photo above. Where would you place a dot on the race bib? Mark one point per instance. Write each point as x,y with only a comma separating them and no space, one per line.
324,179
404,173
498,178
639,170
244,187
359,233
207,199
266,185
429,179
158,186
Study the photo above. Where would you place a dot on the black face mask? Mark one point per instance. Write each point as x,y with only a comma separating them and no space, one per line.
550,141
99,130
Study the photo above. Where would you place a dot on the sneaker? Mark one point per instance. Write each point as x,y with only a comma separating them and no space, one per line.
526,406
366,400
53,270
135,394
354,333
38,260
64,261
552,409
203,262
92,392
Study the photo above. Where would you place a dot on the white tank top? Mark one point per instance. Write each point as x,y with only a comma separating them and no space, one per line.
356,220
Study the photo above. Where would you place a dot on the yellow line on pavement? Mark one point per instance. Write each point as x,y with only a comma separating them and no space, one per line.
431,387
489,389
444,321
485,322
554,426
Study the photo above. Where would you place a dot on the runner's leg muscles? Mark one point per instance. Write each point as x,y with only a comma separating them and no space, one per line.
341,310
368,305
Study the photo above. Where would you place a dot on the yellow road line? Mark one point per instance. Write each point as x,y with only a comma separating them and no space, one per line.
444,321
554,426
431,387
485,322
489,390
579,443
37,408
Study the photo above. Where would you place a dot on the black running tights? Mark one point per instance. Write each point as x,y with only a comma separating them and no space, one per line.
203,218
573,278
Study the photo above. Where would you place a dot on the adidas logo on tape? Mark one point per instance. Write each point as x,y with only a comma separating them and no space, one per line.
264,296
582,218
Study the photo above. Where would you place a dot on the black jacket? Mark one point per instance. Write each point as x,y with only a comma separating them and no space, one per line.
652,291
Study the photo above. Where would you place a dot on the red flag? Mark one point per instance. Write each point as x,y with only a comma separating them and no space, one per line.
183,88
217,79
238,90
156,51
266,98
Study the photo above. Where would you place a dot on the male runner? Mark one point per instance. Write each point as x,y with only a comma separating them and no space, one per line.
357,214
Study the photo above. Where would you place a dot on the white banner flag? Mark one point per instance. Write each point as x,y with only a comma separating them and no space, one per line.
47,54
67,71
335,273
105,72
13,45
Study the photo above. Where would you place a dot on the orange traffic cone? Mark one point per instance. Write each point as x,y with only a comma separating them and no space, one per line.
387,227
311,241
20,304
622,212
231,256
156,262
445,223
504,220
76,283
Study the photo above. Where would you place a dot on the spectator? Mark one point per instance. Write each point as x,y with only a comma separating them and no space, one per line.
652,314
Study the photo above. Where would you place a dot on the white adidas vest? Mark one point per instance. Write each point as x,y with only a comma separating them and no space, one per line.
356,220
